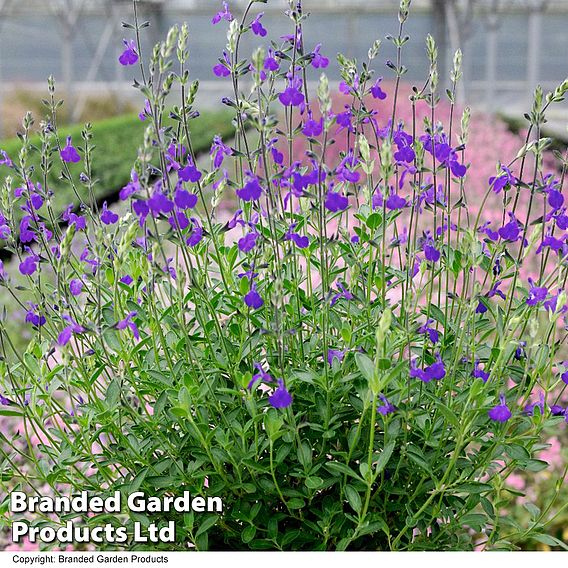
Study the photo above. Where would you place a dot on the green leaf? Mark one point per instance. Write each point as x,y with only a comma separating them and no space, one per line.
471,488
549,540
517,452
385,457
365,366
353,498
207,523
339,467
248,534
314,482
448,414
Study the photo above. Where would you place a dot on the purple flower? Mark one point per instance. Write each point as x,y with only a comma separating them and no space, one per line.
146,112
280,398
29,265
26,234
564,375
343,293
479,373
64,337
5,231
261,375
395,202
557,410
499,182
196,234
334,354
536,294
318,60
34,318
127,322
108,217
555,199
270,63
430,251
387,407
127,280
551,242
219,151
511,231
529,408
221,71
141,209
69,153
300,241
436,371
76,286
223,68
3,274
292,95
313,128
520,351
335,201
376,90
159,203
432,333
251,191
224,14
73,219
500,412
257,27
189,173
129,56
343,119
5,159
248,242
132,187
4,401
185,200
253,299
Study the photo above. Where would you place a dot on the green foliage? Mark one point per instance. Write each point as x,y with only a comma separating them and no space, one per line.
117,145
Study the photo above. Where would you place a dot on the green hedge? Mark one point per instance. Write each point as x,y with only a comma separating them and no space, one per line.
117,141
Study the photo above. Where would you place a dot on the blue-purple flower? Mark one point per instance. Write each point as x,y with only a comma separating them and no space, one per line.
318,60
336,201
253,299
260,375
500,412
69,153
432,332
280,398
129,56
76,286
251,191
108,217
436,371
223,14
257,27
537,294
128,322
479,373
292,96
386,407
335,354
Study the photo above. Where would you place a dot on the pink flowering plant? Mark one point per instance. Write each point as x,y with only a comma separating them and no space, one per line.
356,357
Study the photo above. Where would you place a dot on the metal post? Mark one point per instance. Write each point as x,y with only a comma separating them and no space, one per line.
533,49
491,73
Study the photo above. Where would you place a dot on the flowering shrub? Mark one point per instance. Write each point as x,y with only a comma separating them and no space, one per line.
352,360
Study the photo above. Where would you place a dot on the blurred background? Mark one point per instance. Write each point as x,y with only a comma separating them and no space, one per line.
509,47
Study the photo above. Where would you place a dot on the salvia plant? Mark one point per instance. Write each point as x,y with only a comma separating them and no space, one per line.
350,358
